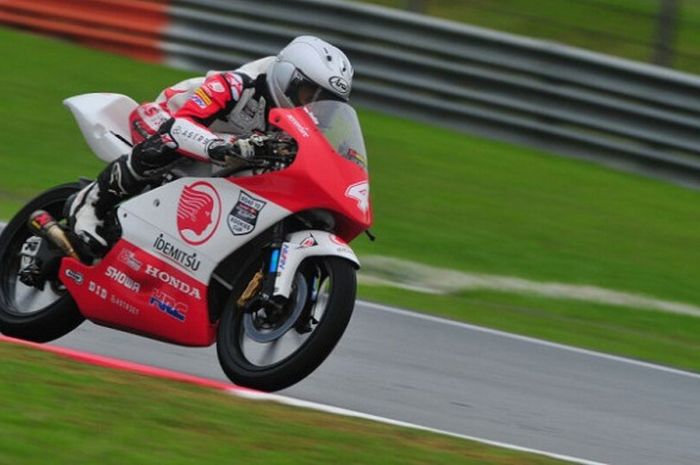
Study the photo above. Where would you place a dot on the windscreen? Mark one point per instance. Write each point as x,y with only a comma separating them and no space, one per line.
339,124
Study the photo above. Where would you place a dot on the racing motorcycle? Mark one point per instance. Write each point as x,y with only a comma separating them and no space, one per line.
252,257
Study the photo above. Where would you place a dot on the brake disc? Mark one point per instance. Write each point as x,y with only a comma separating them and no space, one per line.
297,301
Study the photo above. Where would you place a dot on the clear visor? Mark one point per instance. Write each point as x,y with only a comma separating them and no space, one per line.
303,91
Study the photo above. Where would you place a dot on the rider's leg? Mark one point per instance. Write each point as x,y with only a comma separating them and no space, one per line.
122,179
93,203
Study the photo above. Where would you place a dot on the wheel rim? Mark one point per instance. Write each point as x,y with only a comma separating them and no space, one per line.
258,332
21,300
29,300
310,301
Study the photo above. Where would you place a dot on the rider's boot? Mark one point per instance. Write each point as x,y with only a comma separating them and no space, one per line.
90,211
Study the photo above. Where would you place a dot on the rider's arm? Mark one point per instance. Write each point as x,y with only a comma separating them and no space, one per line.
213,99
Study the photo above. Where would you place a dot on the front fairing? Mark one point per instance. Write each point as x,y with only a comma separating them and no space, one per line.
319,177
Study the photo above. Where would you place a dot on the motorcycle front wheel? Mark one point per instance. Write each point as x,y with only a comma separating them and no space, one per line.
27,312
272,350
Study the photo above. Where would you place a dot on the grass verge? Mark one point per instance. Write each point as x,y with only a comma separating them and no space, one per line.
58,410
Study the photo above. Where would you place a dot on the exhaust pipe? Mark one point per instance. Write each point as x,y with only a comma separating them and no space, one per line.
43,224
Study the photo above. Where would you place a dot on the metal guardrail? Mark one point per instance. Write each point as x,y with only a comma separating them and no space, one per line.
558,98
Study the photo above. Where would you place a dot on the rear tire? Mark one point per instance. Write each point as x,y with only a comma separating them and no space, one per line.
316,345
26,312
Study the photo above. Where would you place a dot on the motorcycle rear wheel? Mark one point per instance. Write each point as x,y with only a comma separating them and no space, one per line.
323,300
27,312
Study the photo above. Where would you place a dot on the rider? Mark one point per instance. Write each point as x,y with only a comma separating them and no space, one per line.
212,119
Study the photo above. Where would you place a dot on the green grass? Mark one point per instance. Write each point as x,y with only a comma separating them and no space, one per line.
440,198
471,204
40,144
625,28
61,412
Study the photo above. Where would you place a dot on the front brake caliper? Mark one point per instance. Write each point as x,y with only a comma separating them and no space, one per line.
251,290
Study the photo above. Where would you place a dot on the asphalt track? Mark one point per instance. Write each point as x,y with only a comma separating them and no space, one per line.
476,382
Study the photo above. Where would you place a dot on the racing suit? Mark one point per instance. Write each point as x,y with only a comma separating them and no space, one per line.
198,118
188,117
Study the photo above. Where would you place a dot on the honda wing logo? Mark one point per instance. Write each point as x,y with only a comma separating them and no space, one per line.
360,192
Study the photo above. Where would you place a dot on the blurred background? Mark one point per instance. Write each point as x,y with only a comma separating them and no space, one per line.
661,32
534,164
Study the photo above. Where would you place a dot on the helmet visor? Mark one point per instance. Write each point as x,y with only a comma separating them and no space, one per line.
302,91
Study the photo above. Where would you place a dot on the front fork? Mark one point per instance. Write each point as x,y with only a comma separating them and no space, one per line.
261,287
272,286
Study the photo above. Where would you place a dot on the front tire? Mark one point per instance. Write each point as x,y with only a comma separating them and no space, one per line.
27,312
243,350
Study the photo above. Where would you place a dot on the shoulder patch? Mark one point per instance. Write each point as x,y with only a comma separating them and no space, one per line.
236,83
215,86
201,98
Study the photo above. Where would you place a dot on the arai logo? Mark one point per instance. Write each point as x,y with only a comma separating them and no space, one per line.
339,84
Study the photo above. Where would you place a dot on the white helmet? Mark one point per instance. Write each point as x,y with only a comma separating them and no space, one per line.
309,69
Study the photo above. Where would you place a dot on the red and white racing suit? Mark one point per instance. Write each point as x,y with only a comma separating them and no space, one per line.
187,117
185,120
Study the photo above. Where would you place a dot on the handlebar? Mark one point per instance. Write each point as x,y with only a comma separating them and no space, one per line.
277,152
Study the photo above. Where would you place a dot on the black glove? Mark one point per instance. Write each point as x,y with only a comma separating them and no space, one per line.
242,149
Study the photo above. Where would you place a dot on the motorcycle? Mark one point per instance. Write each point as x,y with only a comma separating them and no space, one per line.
254,258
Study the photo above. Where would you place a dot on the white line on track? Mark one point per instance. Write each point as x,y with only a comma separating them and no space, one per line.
555,345
352,413
147,370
